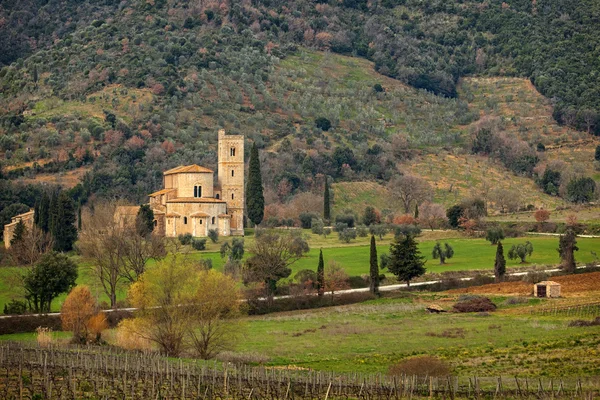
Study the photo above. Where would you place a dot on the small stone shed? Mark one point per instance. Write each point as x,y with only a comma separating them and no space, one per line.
546,289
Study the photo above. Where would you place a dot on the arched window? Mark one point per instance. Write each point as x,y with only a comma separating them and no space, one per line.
218,196
231,196
213,220
155,223
185,220
232,172
200,221
197,191
232,152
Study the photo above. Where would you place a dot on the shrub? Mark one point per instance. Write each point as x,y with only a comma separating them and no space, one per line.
406,230
242,358
347,234
362,231
323,123
213,235
128,337
199,244
475,304
378,88
185,239
535,277
15,307
317,225
582,323
347,219
511,301
306,219
44,337
421,366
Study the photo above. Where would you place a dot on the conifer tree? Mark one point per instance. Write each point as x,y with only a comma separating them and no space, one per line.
144,220
416,211
53,212
79,217
64,231
500,263
326,202
374,268
19,233
321,274
406,261
255,200
44,212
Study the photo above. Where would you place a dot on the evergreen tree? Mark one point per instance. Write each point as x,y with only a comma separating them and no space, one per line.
406,261
255,200
44,213
53,213
321,274
144,220
597,153
19,233
416,211
326,202
64,230
567,245
500,263
370,216
374,268
79,217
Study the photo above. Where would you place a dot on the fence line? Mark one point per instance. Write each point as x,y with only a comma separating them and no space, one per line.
73,373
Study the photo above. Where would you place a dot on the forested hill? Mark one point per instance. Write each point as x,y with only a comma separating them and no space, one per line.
112,88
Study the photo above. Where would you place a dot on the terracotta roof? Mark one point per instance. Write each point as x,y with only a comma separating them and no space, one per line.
173,215
224,216
199,214
163,191
188,168
195,200
127,210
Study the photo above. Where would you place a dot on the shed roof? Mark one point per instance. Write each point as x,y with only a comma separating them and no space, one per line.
548,283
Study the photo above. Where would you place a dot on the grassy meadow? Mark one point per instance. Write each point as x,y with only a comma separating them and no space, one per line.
470,254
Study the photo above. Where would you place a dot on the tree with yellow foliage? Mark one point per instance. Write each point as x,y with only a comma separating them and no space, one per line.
183,306
79,314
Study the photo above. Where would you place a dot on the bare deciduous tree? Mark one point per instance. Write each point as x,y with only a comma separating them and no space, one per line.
432,214
411,190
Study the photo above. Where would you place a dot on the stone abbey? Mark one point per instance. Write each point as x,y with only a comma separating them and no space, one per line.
191,202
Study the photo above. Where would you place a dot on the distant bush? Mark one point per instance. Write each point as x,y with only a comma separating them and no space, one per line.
420,366
475,304
347,219
347,234
15,307
199,244
511,301
306,219
535,277
317,226
582,323
185,239
323,123
213,235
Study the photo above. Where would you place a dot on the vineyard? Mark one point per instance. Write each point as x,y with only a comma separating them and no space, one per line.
77,373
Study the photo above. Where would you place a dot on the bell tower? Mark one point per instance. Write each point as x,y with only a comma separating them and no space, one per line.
231,178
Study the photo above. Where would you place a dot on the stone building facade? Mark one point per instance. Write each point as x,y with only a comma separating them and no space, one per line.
9,229
191,202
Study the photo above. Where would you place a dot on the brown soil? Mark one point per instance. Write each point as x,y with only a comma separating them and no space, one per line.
571,286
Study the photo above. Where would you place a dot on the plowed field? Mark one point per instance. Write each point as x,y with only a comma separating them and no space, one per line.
572,285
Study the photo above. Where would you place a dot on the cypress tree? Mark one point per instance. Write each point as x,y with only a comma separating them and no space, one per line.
44,210
64,231
19,233
53,213
406,261
255,200
144,220
326,202
321,274
416,211
374,268
500,263
79,217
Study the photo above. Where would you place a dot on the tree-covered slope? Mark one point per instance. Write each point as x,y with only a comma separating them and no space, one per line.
128,89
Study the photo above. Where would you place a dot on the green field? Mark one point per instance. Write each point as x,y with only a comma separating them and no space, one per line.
368,337
470,254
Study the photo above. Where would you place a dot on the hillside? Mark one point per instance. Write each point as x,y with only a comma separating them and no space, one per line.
117,93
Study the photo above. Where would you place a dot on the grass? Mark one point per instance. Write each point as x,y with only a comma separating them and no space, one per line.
370,336
470,254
